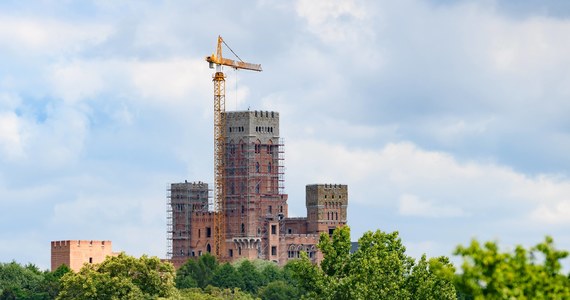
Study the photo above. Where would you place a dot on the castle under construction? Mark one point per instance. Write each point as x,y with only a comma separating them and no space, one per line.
256,224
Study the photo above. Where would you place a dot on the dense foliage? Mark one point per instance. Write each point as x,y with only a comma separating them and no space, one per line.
488,273
120,277
379,269
28,282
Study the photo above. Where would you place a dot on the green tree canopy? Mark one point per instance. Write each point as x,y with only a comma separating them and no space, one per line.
21,282
278,290
226,276
250,277
270,273
120,277
379,269
197,273
488,273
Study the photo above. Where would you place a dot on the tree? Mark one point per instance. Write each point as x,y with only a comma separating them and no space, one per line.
278,290
21,282
120,277
226,276
379,269
52,281
251,278
197,273
89,283
186,275
488,273
270,273
430,279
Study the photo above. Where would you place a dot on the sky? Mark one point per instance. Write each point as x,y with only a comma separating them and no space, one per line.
448,120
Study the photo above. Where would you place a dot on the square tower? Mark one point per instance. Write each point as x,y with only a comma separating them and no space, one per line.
76,253
186,199
326,207
254,180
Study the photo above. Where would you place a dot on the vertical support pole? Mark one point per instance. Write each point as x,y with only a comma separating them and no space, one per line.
219,163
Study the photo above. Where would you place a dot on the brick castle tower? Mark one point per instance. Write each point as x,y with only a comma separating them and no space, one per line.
255,208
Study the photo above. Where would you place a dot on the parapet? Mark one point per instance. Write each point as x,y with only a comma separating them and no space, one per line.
252,113
79,243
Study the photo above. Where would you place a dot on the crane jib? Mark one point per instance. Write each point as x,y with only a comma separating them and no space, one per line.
234,64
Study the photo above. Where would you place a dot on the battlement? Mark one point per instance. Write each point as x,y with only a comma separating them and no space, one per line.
196,185
252,114
79,243
327,186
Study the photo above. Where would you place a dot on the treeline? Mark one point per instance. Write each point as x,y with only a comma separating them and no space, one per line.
379,269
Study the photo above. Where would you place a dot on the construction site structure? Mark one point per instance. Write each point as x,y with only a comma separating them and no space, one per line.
255,210
216,60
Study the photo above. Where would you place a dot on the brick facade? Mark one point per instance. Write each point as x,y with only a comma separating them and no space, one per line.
75,253
256,211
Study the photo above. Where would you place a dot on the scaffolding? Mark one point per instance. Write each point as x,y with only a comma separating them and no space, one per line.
255,185
183,200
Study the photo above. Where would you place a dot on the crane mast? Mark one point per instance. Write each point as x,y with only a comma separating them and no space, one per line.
216,60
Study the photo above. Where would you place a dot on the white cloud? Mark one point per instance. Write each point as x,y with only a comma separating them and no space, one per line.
401,176
174,81
557,213
411,205
41,35
325,18
171,80
77,81
11,136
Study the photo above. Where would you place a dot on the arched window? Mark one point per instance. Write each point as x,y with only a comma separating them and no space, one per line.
242,228
208,248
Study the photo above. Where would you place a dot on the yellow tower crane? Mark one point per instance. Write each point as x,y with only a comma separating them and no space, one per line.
216,60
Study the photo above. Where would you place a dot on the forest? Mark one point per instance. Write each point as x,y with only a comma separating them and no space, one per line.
378,269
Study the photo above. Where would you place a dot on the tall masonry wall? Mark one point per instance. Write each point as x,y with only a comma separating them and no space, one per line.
257,225
75,253
188,218
326,207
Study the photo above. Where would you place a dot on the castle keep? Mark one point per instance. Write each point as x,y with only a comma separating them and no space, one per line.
257,224
75,253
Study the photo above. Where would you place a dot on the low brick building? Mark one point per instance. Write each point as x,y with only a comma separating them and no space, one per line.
75,253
